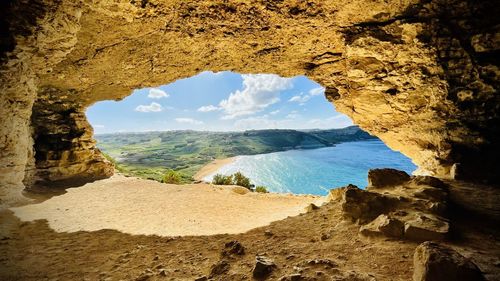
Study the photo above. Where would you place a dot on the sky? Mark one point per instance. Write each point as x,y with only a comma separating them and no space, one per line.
222,101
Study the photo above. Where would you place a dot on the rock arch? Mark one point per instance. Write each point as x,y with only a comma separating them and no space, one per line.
421,75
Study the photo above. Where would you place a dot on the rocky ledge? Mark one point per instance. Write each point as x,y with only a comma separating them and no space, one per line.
399,206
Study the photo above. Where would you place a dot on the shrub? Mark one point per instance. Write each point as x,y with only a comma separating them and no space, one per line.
219,179
241,180
172,177
261,189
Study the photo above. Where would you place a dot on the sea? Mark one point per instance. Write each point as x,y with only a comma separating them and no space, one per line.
316,171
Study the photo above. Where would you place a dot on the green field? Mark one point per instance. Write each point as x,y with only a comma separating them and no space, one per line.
149,155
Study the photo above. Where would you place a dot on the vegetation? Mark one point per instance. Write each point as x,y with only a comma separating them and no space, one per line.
241,180
261,189
151,155
172,177
219,179
235,179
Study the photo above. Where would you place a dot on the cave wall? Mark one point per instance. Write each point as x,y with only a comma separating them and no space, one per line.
66,153
36,35
421,75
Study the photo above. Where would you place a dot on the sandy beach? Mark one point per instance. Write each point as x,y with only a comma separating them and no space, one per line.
138,206
212,167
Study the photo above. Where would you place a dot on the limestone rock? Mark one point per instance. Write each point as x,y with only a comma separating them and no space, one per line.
386,177
428,180
335,194
263,267
383,225
431,194
219,268
426,227
435,262
311,207
414,209
233,248
364,206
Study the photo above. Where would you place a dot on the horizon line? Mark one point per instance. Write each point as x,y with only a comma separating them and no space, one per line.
210,131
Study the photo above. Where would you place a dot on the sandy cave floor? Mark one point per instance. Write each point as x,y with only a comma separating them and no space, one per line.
319,244
138,206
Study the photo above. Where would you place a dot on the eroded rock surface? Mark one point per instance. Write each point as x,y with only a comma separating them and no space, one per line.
415,209
421,75
65,150
435,262
386,177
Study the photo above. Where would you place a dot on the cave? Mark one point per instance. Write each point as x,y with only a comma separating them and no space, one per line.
420,75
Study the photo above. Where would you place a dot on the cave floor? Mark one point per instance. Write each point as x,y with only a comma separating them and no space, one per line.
317,244
137,206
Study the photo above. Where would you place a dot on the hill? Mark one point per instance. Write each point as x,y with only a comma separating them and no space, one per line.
150,154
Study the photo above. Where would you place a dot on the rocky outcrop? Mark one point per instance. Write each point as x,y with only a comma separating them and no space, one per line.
385,225
36,35
386,177
414,209
435,262
363,206
421,75
65,150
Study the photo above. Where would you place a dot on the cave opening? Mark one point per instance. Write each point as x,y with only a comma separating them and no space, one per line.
282,133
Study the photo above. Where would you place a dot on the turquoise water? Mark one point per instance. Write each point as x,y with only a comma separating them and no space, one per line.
316,171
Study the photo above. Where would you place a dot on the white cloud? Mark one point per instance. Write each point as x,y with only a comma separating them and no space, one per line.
156,93
209,108
189,121
274,112
338,121
298,123
300,98
259,91
317,91
153,107
293,115
260,122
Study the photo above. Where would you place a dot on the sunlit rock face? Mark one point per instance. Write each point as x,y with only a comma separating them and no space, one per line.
421,75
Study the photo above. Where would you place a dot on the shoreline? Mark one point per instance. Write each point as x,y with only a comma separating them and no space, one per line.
213,167
218,163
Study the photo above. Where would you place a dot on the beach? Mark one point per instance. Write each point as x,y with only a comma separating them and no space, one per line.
212,167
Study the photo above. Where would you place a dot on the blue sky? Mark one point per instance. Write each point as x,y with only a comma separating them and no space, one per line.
223,101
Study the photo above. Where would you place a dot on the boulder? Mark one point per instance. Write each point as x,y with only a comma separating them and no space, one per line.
219,268
263,267
426,227
435,262
363,206
233,248
378,178
383,225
